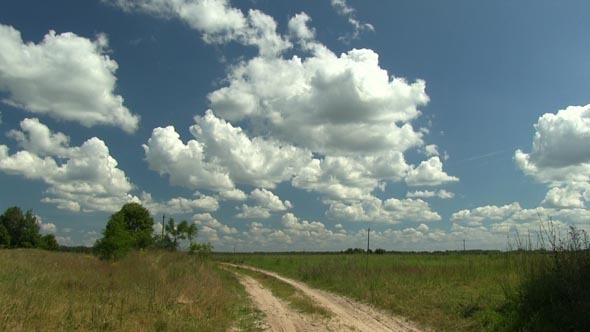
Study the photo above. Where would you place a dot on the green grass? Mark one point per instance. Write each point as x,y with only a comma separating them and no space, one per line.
146,291
453,292
293,297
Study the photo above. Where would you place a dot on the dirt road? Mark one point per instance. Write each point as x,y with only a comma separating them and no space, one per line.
347,315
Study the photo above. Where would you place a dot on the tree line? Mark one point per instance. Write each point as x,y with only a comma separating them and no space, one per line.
21,230
128,229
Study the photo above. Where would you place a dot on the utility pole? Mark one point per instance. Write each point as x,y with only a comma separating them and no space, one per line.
163,217
463,244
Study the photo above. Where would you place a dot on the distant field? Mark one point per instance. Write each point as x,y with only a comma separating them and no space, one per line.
146,291
447,292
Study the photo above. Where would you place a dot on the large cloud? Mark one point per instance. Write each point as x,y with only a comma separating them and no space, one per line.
221,155
562,139
86,76
79,178
329,104
83,178
560,152
351,178
560,156
337,125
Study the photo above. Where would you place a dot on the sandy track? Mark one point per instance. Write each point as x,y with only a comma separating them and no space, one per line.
279,317
347,315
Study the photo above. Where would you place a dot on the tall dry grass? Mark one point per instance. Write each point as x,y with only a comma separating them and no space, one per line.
554,294
146,291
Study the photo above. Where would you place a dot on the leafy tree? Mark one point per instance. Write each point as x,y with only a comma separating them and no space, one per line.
117,240
174,233
48,242
138,222
129,228
22,229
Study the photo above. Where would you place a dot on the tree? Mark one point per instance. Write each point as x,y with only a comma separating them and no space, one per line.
22,229
172,231
182,230
191,233
117,240
177,232
4,237
138,222
48,242
129,228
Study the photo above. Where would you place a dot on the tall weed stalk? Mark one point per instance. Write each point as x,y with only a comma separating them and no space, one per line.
554,294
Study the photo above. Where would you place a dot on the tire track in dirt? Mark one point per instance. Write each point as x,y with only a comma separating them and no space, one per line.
348,315
279,317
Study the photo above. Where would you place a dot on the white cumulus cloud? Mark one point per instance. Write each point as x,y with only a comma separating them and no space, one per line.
488,212
265,202
217,21
429,173
220,156
390,211
180,205
560,156
328,104
79,178
86,76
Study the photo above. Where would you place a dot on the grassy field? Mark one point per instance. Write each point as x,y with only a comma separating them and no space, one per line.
446,292
165,291
146,291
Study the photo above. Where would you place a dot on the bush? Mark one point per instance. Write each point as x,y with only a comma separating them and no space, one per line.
48,242
555,292
200,248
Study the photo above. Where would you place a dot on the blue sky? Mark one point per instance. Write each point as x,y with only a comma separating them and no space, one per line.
296,125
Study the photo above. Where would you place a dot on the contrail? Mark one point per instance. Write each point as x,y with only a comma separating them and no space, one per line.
481,156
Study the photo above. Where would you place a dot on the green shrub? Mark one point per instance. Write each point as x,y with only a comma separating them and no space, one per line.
48,242
200,248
